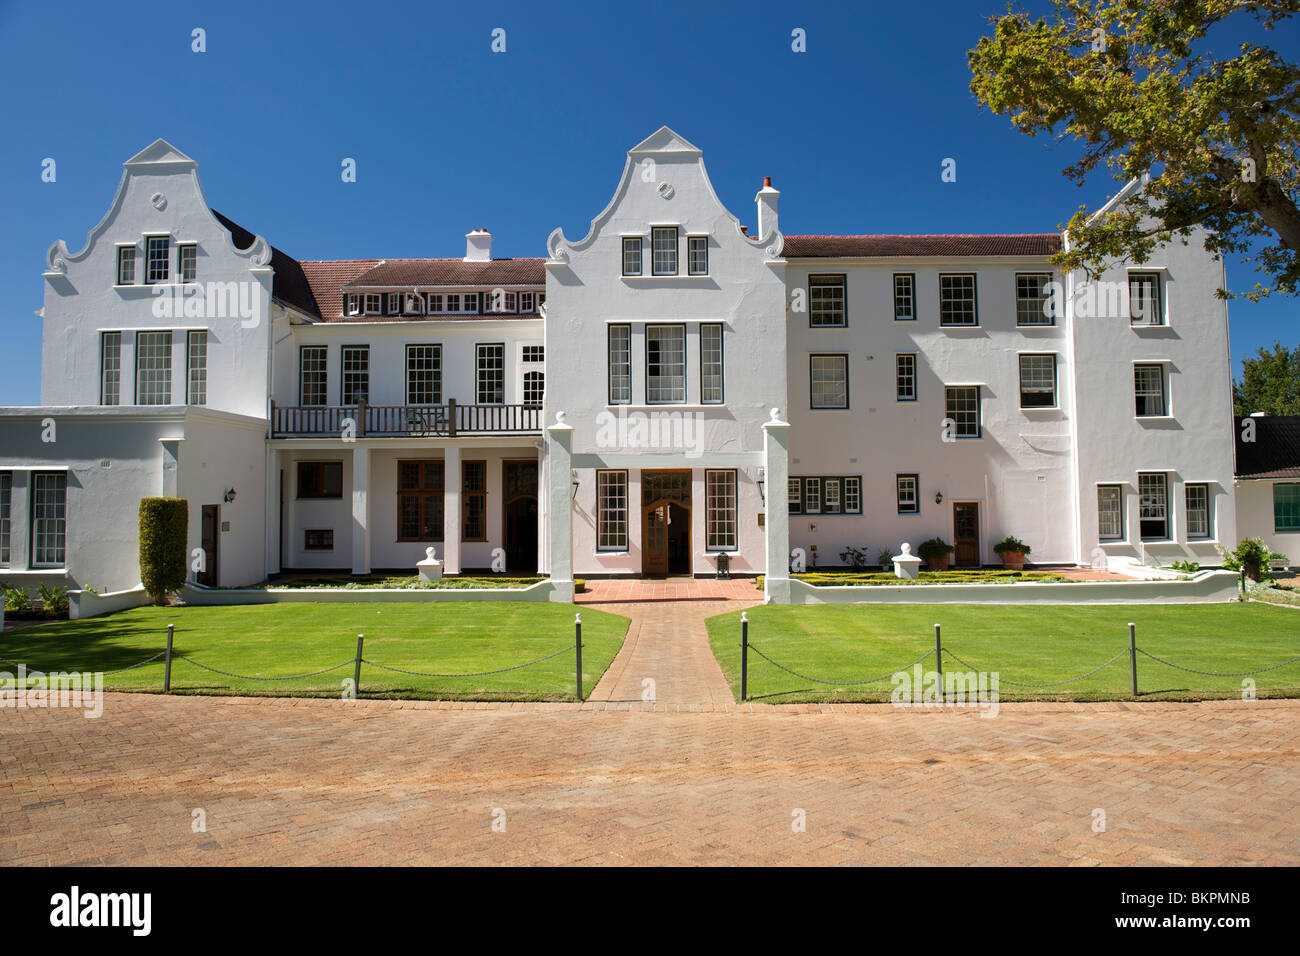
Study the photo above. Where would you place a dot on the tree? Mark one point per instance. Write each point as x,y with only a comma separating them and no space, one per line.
1270,383
164,523
1131,81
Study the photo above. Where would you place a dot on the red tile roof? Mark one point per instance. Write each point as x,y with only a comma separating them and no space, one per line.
811,247
407,273
327,278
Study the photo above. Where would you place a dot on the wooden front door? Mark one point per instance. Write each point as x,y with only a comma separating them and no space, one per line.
520,519
665,523
210,535
966,534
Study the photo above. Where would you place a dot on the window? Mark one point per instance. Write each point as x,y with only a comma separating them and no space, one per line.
1110,512
909,500
1286,506
1149,390
374,303
159,258
1199,520
534,353
423,374
1153,506
697,255
665,360
631,255
468,302
319,540
1033,299
473,496
832,495
413,303
356,375
153,368
453,302
620,364
320,479
957,300
1038,381
196,368
826,302
611,513
1144,306
490,375
110,369
126,265
434,305
905,376
420,500
664,250
904,297
963,406
188,261
711,364
527,302
49,519
6,523
829,378
353,305
794,496
393,303
500,301
720,509
534,389
312,378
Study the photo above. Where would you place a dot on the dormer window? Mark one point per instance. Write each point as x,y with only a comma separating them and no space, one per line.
394,303
469,302
159,259
126,265
414,304
353,304
435,303
373,303
527,302
500,301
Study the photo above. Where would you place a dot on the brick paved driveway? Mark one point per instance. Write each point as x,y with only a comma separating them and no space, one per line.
364,782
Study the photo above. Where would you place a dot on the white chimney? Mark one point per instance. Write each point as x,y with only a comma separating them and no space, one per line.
766,199
478,246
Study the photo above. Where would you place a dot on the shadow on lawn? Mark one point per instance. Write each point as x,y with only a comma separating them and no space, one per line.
96,647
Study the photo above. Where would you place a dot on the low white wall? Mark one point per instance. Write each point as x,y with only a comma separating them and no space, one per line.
89,604
541,591
1208,587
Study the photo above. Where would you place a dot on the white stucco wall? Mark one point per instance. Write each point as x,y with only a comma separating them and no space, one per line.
1255,519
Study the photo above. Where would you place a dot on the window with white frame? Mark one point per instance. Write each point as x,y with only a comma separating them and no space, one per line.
527,302
313,378
187,262
663,244
827,301
413,303
962,403
665,361
794,495
49,519
158,258
711,363
611,510
452,302
957,302
1033,293
352,304
1110,512
356,374
620,364
1200,522
196,368
1038,381
469,303
697,255
153,368
423,374
534,353
433,303
904,297
825,494
1153,506
374,303
110,368
632,255
829,381
720,509
909,498
490,374
6,523
905,376
1149,391
534,389
126,265
500,301
1144,304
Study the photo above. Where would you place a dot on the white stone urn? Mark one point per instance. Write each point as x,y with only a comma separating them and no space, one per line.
430,568
906,564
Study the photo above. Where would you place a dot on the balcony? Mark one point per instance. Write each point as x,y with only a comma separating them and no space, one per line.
404,421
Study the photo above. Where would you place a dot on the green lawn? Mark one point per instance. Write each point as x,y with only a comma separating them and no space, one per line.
285,639
1025,644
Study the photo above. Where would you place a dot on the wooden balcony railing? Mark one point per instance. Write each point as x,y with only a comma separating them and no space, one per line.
403,421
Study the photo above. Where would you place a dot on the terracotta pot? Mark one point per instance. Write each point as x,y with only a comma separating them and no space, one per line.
937,564
1013,560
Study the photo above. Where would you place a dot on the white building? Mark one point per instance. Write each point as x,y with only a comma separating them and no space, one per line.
672,392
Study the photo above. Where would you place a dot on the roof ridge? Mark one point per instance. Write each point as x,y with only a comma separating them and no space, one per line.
923,235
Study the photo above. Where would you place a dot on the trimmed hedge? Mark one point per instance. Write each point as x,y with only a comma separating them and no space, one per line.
164,527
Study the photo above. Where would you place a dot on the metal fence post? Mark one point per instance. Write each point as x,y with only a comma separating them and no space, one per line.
744,655
167,666
356,673
1133,657
1245,592
577,629
938,659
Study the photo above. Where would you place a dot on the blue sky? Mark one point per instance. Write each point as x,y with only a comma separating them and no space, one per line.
449,136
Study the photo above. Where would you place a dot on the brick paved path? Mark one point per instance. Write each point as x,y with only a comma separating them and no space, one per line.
284,781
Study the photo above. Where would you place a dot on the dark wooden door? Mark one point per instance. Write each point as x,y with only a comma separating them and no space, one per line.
520,499
654,541
966,534
210,535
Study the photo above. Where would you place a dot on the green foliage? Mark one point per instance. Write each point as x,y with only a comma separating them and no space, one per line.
824,579
1010,543
1134,84
1270,383
53,598
372,582
1253,555
934,548
15,598
1187,567
164,525
885,559
854,557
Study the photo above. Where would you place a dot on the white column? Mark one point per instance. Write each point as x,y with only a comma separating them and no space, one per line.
559,493
272,554
451,510
543,557
360,510
776,458
20,537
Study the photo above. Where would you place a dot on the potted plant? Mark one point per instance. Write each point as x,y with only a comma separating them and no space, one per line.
1012,551
935,552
